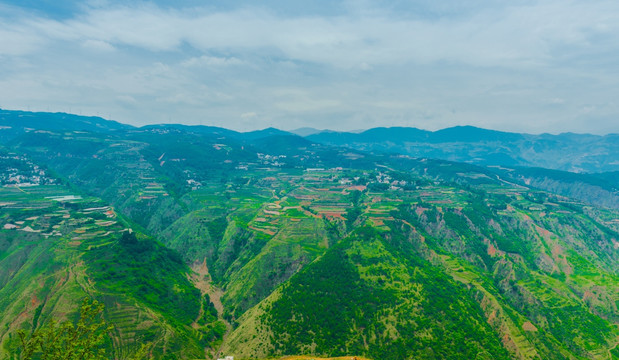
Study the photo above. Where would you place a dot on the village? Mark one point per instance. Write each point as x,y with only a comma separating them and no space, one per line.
18,170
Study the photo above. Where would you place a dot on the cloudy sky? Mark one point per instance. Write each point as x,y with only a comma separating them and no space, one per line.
519,65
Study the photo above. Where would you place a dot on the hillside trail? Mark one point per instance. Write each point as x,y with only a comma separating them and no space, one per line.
202,281
610,350
307,357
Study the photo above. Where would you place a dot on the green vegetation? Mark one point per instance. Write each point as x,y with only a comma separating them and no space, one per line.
359,298
83,340
86,339
202,244
146,271
60,247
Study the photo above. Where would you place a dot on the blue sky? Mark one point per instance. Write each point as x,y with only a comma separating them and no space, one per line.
522,65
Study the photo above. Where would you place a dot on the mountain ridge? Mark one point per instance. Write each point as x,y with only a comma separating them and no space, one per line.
565,151
301,247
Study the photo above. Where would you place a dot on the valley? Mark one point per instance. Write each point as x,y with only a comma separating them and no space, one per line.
204,244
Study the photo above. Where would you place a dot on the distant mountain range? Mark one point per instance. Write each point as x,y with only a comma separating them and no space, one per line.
557,163
14,122
567,151
581,153
574,153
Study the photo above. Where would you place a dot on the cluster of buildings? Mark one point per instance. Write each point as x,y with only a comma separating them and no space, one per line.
383,178
17,170
272,160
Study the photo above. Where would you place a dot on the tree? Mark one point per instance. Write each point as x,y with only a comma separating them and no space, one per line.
67,341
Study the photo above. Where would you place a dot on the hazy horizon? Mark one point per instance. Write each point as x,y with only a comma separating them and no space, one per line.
527,66
314,130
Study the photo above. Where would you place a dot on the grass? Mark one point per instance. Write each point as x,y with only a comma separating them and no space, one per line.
308,357
251,264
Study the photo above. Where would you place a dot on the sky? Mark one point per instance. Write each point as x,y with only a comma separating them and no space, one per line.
520,65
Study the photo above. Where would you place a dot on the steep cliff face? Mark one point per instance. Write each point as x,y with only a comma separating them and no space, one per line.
496,279
60,247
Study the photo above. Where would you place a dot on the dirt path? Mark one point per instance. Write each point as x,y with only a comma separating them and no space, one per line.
200,277
511,183
305,357
202,281
610,351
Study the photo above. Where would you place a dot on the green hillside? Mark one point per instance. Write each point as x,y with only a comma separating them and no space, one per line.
371,295
502,263
259,248
58,247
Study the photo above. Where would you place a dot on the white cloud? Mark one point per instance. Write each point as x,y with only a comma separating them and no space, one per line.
98,45
15,42
490,37
248,115
556,101
306,105
211,61
127,100
441,63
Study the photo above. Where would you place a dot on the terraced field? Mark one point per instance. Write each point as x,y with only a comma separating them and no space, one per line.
47,234
304,251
